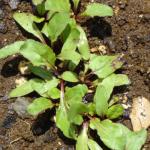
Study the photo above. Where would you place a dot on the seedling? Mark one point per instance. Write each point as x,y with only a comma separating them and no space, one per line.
66,76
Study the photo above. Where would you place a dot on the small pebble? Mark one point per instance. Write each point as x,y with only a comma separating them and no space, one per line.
3,27
1,14
20,107
13,4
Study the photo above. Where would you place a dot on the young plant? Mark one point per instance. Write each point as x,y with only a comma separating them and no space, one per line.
77,83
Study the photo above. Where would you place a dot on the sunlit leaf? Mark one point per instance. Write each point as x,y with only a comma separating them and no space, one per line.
96,9
54,93
105,89
22,90
27,21
58,5
82,140
39,105
75,112
117,136
56,25
68,51
38,53
62,121
10,49
75,93
69,76
103,66
115,111
83,45
42,87
93,145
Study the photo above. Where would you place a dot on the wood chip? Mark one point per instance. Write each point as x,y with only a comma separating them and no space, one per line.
140,113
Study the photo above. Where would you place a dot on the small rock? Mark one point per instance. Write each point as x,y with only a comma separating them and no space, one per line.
9,120
1,14
13,4
1,147
20,107
3,27
140,113
146,6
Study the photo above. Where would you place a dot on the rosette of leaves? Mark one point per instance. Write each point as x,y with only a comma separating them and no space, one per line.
64,77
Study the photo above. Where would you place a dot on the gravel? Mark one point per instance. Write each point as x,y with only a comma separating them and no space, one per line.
13,4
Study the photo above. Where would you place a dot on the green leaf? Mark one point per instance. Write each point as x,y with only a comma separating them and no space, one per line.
76,3
62,121
69,76
93,145
82,140
42,87
38,53
96,9
103,66
75,93
22,90
58,5
41,8
41,72
10,49
75,112
39,105
83,45
54,93
27,21
68,51
139,137
115,111
56,25
37,2
91,108
50,14
45,29
110,133
118,137
105,89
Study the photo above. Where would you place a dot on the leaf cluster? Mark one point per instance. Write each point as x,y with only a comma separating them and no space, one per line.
63,77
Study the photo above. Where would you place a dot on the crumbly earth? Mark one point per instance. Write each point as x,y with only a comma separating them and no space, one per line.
127,33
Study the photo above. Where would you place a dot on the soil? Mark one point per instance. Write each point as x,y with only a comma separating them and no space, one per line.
127,33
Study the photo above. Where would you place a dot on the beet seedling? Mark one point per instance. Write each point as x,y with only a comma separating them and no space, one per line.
65,76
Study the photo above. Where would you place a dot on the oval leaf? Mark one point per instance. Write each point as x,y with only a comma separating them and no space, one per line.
82,140
22,90
103,66
39,105
38,54
68,51
96,9
69,76
56,25
83,45
115,111
54,93
27,21
93,145
104,90
10,49
117,136
57,5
